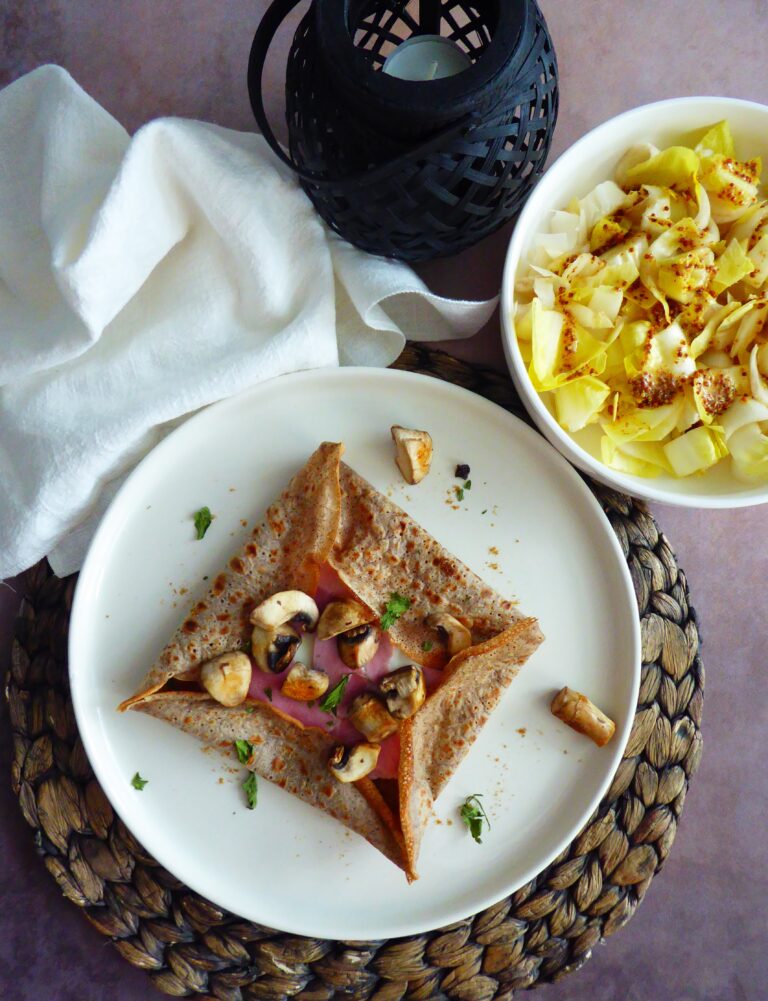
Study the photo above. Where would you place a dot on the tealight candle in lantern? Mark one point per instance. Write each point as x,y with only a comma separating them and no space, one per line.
426,57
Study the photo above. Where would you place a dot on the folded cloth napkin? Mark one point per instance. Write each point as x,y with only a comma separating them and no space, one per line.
144,278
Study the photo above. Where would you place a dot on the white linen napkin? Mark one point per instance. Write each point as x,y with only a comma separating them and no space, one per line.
144,278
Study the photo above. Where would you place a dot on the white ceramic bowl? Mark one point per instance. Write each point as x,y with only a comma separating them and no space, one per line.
590,160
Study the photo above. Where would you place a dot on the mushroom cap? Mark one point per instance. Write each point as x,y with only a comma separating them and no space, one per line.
358,646
368,714
350,764
274,649
405,691
304,683
227,677
453,633
340,616
284,606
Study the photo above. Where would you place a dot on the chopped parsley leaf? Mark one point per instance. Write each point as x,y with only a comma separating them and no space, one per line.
397,605
427,645
459,493
484,512
268,693
203,519
330,702
250,788
250,709
474,816
138,782
468,485
244,750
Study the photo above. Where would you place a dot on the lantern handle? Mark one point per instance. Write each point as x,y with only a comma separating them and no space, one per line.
274,16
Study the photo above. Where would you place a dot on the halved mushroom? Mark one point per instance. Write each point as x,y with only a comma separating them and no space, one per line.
304,683
370,716
404,691
274,649
226,678
413,452
340,616
452,633
286,606
358,646
349,764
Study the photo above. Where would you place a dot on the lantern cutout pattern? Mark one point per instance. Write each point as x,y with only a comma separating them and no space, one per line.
421,167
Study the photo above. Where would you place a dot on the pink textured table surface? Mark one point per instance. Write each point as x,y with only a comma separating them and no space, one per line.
701,933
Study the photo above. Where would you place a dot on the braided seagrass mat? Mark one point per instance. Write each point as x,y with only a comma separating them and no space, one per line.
191,948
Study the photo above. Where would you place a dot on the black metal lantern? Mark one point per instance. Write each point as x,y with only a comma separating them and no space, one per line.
414,169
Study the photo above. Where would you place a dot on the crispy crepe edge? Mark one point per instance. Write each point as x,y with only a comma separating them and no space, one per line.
426,738
267,727
327,457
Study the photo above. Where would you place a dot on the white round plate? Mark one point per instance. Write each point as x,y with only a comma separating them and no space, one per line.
528,525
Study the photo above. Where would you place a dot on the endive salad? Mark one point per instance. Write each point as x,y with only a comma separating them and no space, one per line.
644,310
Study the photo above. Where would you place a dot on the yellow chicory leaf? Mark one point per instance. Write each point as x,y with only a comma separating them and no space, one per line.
644,424
731,186
732,265
716,140
725,317
578,402
547,342
741,413
638,464
607,231
696,450
682,276
749,448
758,255
674,167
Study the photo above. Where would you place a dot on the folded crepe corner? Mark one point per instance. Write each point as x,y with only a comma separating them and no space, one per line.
329,516
286,550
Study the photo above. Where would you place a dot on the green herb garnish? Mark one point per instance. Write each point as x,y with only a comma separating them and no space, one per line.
468,485
203,519
396,606
138,782
473,815
268,693
459,493
250,709
330,702
244,750
484,512
427,645
250,788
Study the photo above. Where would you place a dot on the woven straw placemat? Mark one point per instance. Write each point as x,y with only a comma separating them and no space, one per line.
191,948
